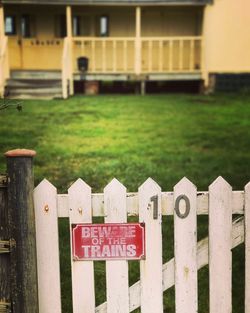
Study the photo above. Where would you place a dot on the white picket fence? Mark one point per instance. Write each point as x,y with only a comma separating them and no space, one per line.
115,204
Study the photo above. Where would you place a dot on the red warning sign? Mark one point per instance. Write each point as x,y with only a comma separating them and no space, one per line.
108,241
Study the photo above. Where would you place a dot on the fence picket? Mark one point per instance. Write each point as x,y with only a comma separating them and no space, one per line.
185,247
220,243
247,248
151,267
83,287
116,271
48,266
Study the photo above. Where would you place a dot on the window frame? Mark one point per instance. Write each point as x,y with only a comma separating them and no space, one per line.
13,25
76,31
105,33
62,26
26,32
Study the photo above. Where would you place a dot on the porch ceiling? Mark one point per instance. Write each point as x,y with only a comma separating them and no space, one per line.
109,2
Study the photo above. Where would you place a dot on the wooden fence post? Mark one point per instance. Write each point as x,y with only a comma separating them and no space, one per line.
23,273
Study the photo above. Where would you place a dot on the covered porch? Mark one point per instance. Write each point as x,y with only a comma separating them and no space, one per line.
120,42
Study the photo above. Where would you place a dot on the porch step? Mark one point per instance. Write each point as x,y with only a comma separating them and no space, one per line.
33,74
34,85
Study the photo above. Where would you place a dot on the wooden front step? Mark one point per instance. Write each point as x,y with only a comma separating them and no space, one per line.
34,85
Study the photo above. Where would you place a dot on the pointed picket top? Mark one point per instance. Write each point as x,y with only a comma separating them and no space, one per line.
80,202
79,185
44,184
149,191
149,184
247,187
115,202
220,181
185,183
115,186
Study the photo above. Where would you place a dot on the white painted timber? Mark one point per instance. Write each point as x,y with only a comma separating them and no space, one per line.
168,268
247,248
83,287
117,283
151,267
47,242
63,205
220,244
167,200
185,247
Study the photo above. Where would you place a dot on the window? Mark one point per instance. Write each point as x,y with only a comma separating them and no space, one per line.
104,26
60,26
25,26
76,26
10,25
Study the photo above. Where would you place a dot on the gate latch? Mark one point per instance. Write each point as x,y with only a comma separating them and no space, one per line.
5,307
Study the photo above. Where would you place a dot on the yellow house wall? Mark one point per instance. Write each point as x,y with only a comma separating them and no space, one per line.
44,50
227,36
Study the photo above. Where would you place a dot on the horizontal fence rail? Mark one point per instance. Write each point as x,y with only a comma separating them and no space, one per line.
149,204
167,202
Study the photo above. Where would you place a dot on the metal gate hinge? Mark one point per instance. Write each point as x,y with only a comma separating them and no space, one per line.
6,247
3,181
5,307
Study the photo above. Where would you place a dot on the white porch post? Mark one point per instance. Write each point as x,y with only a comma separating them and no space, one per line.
69,21
69,37
204,70
138,41
2,34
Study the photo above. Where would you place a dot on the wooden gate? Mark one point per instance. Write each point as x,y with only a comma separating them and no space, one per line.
115,205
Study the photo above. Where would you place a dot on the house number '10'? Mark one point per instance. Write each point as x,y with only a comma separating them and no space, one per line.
154,199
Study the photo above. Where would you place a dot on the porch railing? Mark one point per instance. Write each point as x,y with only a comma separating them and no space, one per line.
106,55
158,54
171,54
4,65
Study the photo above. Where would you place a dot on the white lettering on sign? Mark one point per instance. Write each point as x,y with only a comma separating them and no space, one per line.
107,231
109,251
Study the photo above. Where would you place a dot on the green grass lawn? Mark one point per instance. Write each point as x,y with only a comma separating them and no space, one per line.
131,138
